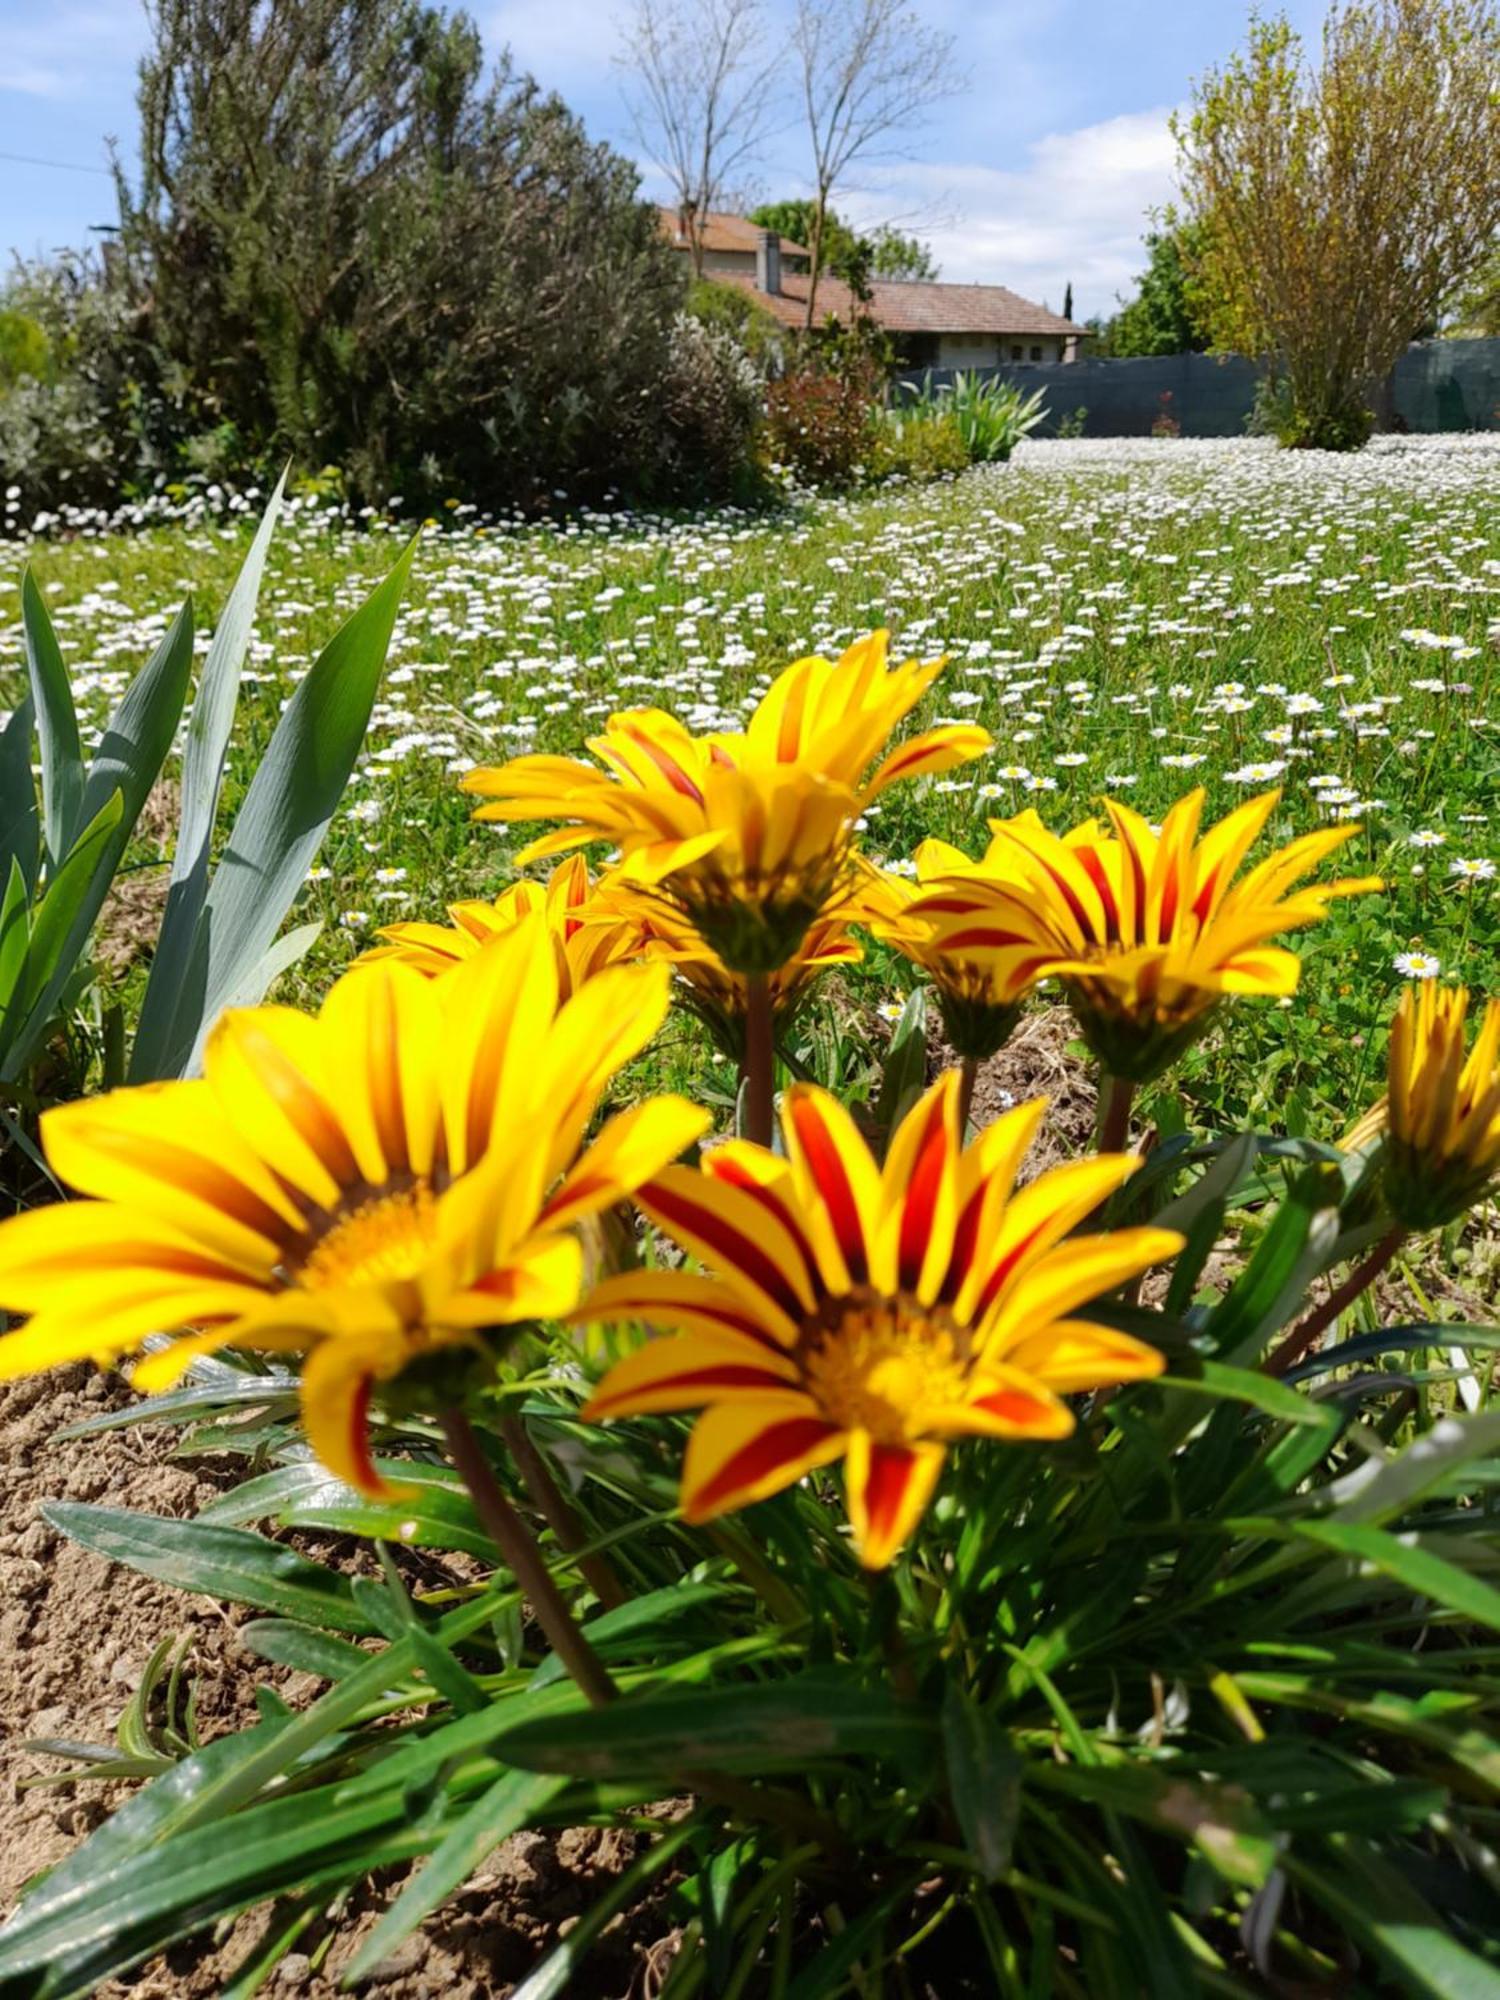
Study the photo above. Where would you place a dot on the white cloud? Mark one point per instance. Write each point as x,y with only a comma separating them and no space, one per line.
1073,209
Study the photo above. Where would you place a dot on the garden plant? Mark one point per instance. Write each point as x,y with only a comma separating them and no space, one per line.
959,1576
961,1555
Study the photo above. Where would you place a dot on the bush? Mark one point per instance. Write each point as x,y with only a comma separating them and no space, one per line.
822,426
1277,413
711,406
24,350
927,445
727,309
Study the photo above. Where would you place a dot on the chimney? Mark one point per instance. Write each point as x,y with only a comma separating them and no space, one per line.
768,263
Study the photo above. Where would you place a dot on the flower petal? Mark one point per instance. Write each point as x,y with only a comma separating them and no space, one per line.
888,1487
742,1452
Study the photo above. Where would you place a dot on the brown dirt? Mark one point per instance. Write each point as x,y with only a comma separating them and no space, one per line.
130,920
75,1635
1035,1063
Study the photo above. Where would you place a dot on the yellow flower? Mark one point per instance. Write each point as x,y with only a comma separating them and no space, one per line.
1150,931
1440,1118
370,1187
637,923
745,836
871,1314
979,996
582,948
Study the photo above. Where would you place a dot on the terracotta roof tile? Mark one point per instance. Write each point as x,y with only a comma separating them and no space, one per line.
724,232
909,307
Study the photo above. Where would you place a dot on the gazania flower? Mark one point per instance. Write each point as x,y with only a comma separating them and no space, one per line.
979,996
848,1311
372,1187
637,924
745,836
1440,1119
581,949
1150,931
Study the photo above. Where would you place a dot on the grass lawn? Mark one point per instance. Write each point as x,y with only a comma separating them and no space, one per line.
1135,617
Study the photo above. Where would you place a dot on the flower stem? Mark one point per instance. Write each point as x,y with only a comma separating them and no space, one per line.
1301,1338
554,1509
759,1074
511,1537
1116,1095
968,1072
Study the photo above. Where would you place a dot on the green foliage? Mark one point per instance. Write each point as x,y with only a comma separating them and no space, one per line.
356,246
1276,413
990,414
59,857
1194,1701
925,444
1163,317
886,252
24,350
731,310
893,254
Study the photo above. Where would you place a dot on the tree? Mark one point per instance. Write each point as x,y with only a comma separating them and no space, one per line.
884,253
870,69
1067,311
1340,204
353,243
1163,317
896,255
699,107
1475,308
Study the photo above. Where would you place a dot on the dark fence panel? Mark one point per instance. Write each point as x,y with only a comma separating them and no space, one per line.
1441,385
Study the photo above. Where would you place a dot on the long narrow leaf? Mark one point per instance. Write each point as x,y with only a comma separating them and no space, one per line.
209,729
60,923
56,726
20,824
286,811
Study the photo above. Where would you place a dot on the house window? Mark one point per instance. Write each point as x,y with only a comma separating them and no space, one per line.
1036,354
1015,354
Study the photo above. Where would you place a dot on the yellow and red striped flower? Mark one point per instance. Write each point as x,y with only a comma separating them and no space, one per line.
567,897
979,994
1440,1117
1149,931
874,1315
745,836
367,1187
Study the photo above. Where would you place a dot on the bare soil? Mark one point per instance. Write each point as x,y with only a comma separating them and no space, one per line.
75,1635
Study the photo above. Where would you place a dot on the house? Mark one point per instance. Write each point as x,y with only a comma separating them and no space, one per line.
931,325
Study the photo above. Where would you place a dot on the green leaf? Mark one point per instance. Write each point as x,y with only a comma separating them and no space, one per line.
1409,1563
1300,1242
142,729
15,935
208,734
60,924
1380,1490
217,1562
1212,1190
642,1616
1415,1339
56,726
984,1781
287,1644
509,1804
286,811
1243,1385
905,1070
1375,1902
1221,1821
20,825
775,1725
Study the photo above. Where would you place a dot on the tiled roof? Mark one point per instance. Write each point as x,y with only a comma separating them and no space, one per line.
909,307
724,232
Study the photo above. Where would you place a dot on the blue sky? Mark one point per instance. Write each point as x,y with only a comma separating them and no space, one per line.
1039,173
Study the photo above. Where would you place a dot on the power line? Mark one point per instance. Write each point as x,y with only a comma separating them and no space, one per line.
62,166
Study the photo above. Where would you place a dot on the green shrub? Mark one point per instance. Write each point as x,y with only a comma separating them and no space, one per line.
25,351
926,446
727,309
1276,413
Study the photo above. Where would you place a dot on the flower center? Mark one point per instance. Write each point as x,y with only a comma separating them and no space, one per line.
886,1366
387,1238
